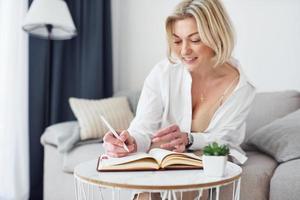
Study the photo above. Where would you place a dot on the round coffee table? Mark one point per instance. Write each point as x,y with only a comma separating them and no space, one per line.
168,182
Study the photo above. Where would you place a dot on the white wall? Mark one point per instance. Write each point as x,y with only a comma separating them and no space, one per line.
268,42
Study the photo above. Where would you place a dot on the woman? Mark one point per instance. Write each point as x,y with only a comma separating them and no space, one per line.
196,96
200,93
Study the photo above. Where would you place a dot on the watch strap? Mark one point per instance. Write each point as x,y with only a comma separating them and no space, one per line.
190,140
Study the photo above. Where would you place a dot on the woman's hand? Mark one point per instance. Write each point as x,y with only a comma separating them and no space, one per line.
172,138
114,147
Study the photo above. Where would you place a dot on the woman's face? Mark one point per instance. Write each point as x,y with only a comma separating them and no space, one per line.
187,45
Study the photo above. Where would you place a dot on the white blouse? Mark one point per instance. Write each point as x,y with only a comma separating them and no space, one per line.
166,99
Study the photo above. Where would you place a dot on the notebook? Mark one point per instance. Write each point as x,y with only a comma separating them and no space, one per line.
155,159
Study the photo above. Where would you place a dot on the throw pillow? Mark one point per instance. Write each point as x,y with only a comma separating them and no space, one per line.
116,110
279,138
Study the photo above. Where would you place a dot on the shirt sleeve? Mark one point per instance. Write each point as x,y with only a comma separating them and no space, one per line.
229,127
149,112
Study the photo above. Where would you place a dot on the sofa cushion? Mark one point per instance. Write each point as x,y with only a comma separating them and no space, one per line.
280,138
65,136
133,97
285,183
56,133
81,153
256,176
267,107
88,112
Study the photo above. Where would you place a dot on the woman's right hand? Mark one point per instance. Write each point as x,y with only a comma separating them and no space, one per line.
114,147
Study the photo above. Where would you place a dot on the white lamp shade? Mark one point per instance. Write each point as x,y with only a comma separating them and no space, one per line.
50,12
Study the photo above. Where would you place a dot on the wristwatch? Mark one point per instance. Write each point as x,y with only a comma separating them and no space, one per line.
190,140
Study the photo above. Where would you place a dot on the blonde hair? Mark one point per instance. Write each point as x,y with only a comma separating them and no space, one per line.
214,26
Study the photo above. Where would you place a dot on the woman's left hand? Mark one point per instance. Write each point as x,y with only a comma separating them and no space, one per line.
172,137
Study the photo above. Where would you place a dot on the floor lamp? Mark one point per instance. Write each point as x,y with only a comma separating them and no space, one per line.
51,20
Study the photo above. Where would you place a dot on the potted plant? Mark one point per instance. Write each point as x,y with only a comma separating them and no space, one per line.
215,159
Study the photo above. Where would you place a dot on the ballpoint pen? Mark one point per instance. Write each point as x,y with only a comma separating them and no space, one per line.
114,132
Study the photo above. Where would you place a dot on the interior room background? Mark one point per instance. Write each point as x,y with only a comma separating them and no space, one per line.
268,46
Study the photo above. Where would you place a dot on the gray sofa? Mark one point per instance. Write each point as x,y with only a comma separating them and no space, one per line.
263,177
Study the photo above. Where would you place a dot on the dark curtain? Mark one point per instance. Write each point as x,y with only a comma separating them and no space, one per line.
81,67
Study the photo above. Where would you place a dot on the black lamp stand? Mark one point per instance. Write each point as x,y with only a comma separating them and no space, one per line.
48,78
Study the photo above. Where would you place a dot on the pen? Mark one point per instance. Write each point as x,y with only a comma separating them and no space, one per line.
114,132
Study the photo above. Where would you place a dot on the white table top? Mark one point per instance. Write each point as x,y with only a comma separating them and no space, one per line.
154,180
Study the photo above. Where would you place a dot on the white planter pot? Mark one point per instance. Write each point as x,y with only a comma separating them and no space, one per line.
214,166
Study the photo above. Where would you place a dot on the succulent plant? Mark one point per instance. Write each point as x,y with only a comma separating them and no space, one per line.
215,149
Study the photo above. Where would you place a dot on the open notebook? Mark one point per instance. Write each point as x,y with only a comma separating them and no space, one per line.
156,159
